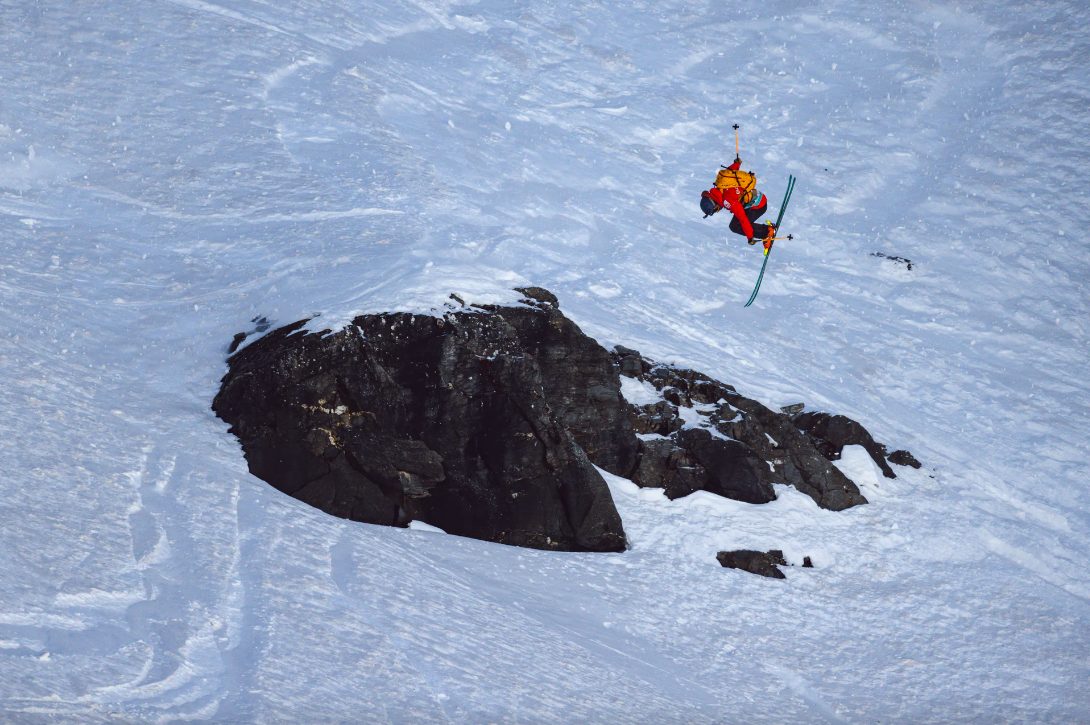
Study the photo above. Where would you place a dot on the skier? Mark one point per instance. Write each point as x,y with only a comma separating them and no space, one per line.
736,190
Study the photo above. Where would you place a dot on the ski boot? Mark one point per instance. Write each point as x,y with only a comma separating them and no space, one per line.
770,237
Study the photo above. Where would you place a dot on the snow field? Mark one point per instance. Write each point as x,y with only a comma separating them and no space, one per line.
171,170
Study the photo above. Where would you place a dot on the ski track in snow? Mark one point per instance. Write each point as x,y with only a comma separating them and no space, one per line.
169,171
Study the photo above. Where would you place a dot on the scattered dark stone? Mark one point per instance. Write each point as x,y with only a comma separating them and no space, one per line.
833,432
806,563
793,409
764,563
904,458
899,260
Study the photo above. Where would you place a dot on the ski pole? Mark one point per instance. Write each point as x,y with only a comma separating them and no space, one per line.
737,154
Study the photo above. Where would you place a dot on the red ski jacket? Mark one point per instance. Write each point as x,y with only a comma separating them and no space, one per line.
732,199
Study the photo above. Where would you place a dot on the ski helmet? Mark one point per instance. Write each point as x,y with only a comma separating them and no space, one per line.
708,205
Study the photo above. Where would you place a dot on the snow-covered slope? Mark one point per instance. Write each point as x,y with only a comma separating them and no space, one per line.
169,170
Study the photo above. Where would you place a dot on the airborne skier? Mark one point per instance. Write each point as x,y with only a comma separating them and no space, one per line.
736,190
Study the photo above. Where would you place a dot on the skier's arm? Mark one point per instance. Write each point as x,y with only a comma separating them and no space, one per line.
736,165
734,203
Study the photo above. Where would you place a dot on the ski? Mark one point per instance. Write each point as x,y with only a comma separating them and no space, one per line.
783,205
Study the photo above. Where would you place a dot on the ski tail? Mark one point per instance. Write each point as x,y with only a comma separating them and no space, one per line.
786,198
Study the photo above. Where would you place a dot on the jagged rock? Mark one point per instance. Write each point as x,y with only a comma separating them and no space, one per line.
733,469
740,451
795,458
629,361
657,418
580,383
664,464
765,563
539,294
833,432
904,458
445,420
688,387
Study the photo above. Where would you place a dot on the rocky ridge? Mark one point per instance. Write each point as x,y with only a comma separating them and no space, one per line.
489,422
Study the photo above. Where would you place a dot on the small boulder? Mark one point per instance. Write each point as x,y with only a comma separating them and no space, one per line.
764,563
904,458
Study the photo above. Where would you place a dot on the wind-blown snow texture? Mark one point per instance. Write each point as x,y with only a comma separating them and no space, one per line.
169,170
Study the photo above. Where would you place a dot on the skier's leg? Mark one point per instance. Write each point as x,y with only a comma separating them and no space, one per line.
760,231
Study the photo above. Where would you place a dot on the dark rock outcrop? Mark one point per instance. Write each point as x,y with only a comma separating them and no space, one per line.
441,419
579,380
488,422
